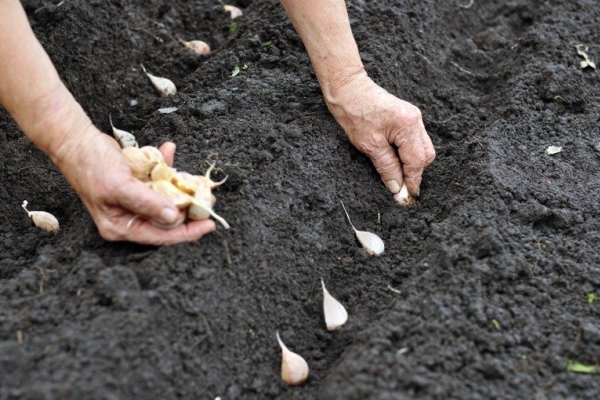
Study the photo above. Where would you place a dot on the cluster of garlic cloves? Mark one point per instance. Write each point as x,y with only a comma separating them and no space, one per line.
192,193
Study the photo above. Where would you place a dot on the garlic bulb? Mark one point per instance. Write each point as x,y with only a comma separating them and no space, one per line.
197,46
164,87
124,138
403,198
294,369
234,11
372,243
335,313
42,219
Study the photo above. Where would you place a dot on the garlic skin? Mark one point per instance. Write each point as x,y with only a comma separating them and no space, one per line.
165,87
234,11
372,243
197,46
403,198
335,313
124,138
294,369
42,219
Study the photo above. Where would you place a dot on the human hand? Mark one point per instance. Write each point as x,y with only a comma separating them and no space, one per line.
377,123
94,166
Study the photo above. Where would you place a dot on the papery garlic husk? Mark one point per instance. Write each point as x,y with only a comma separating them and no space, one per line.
125,139
138,162
170,191
42,219
197,46
164,87
162,172
233,10
372,243
404,198
334,312
294,369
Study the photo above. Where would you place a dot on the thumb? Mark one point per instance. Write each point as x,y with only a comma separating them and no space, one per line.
140,200
387,164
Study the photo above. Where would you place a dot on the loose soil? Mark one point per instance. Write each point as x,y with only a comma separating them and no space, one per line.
485,289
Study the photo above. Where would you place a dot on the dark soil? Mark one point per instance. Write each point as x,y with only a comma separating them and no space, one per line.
482,292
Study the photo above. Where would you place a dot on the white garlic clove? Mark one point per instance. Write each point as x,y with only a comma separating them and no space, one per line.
125,139
197,46
207,208
294,369
138,162
404,198
42,219
234,11
372,243
335,313
164,87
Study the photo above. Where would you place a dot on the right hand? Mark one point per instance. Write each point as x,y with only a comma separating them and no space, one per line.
97,171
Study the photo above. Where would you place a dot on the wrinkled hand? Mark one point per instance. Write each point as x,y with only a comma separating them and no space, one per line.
388,130
94,166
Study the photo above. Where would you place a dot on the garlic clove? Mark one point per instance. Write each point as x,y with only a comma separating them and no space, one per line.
197,46
294,369
234,11
124,138
162,172
170,191
154,155
164,87
335,313
138,162
42,219
372,243
189,183
404,198
208,209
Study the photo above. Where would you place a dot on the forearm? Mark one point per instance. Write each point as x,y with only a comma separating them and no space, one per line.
30,88
324,28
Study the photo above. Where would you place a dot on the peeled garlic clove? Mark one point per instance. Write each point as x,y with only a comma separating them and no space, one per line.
162,172
197,46
42,219
335,313
294,369
234,11
372,243
403,198
164,87
124,138
170,191
138,162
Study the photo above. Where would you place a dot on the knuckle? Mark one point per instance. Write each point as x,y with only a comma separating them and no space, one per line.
371,144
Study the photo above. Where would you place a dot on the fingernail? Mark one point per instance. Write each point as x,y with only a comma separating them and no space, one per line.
393,186
168,215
